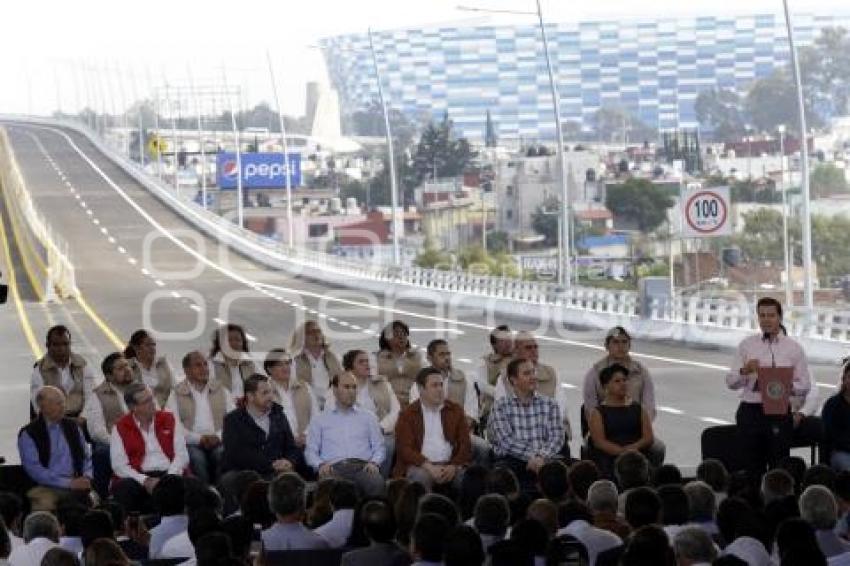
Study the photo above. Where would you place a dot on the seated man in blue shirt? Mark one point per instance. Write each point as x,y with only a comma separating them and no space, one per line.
54,452
346,441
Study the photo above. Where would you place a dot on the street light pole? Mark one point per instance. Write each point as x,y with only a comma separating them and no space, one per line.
240,213
393,187
786,252
808,291
290,230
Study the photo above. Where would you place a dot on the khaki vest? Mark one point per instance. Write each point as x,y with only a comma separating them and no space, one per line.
164,381
50,374
222,372
304,371
300,401
380,392
110,401
401,381
495,365
456,387
186,404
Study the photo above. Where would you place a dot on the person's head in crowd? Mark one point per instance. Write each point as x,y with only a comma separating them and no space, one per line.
522,376
797,544
105,551
581,476
502,340
818,507
702,504
58,556
842,491
693,545
503,481
819,474
797,467
429,381
573,511
116,369
492,515
602,497
241,533
546,512
357,535
11,510
648,545
440,505
525,347
58,344
617,343
778,511
196,368
406,510
239,485
463,547
41,524
531,536
70,515
643,507
254,504
378,522
713,472
553,481
5,542
116,514
308,336
142,347
287,497
769,312
776,484
169,496
613,380
199,495
343,495
666,474
51,403
212,549
344,386
235,341
473,486
395,487
737,518
439,354
741,486
631,469
140,401
278,366
395,337
674,505
320,510
428,539
96,524
259,396
201,522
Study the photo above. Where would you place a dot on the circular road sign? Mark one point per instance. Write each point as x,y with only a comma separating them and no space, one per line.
707,212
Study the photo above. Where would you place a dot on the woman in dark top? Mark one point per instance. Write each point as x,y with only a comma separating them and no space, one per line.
619,423
836,423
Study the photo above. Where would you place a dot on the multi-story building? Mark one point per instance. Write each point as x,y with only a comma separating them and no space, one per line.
653,68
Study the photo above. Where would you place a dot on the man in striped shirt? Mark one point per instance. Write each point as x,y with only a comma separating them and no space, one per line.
526,429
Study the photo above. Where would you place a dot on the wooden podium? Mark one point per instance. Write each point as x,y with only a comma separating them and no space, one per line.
775,387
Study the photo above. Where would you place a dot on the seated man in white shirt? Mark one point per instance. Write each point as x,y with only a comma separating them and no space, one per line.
103,408
62,368
145,445
201,405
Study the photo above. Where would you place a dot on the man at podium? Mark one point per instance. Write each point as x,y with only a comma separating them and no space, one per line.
769,370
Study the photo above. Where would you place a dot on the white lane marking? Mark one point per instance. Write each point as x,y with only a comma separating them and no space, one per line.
103,230
159,283
355,327
145,271
249,283
175,294
343,323
464,360
827,385
121,250
438,330
95,221
111,239
89,212
131,260
219,321
671,410
712,420
195,307
250,337
568,386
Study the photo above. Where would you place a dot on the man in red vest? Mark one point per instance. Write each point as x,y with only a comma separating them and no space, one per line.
145,445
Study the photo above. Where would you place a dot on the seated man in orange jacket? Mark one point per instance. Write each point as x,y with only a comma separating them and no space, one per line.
433,442
145,445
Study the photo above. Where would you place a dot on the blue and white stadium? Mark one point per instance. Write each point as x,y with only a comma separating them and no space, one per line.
653,68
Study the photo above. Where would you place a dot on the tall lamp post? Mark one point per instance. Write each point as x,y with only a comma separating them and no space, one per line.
564,278
808,290
786,251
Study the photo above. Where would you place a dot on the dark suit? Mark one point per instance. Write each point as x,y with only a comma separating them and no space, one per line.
247,447
385,554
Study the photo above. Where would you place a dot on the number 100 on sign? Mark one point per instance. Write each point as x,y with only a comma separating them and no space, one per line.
706,213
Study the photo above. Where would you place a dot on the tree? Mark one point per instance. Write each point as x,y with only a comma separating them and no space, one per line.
490,139
720,111
749,191
639,200
772,101
825,69
439,153
369,121
497,242
544,220
827,180
432,258
613,123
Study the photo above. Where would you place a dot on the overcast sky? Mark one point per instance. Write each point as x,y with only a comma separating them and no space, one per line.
56,50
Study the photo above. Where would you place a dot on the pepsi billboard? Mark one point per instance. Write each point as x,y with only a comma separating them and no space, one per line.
259,170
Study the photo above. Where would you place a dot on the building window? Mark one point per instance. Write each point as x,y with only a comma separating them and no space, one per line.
509,190
509,214
317,230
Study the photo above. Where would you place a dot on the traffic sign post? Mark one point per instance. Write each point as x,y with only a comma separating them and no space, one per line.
706,212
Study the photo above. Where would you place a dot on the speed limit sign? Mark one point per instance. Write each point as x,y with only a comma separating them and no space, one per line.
706,212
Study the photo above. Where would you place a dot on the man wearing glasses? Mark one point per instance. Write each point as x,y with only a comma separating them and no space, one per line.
295,396
639,384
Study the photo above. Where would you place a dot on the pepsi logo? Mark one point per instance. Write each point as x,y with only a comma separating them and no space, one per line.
229,169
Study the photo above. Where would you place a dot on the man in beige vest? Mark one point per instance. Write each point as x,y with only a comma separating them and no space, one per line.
62,368
315,363
103,408
200,404
492,364
296,397
375,395
548,384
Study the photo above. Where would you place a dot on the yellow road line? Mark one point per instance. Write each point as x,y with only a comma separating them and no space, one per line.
110,335
19,305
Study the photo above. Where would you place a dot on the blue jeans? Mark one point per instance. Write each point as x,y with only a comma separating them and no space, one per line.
205,463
